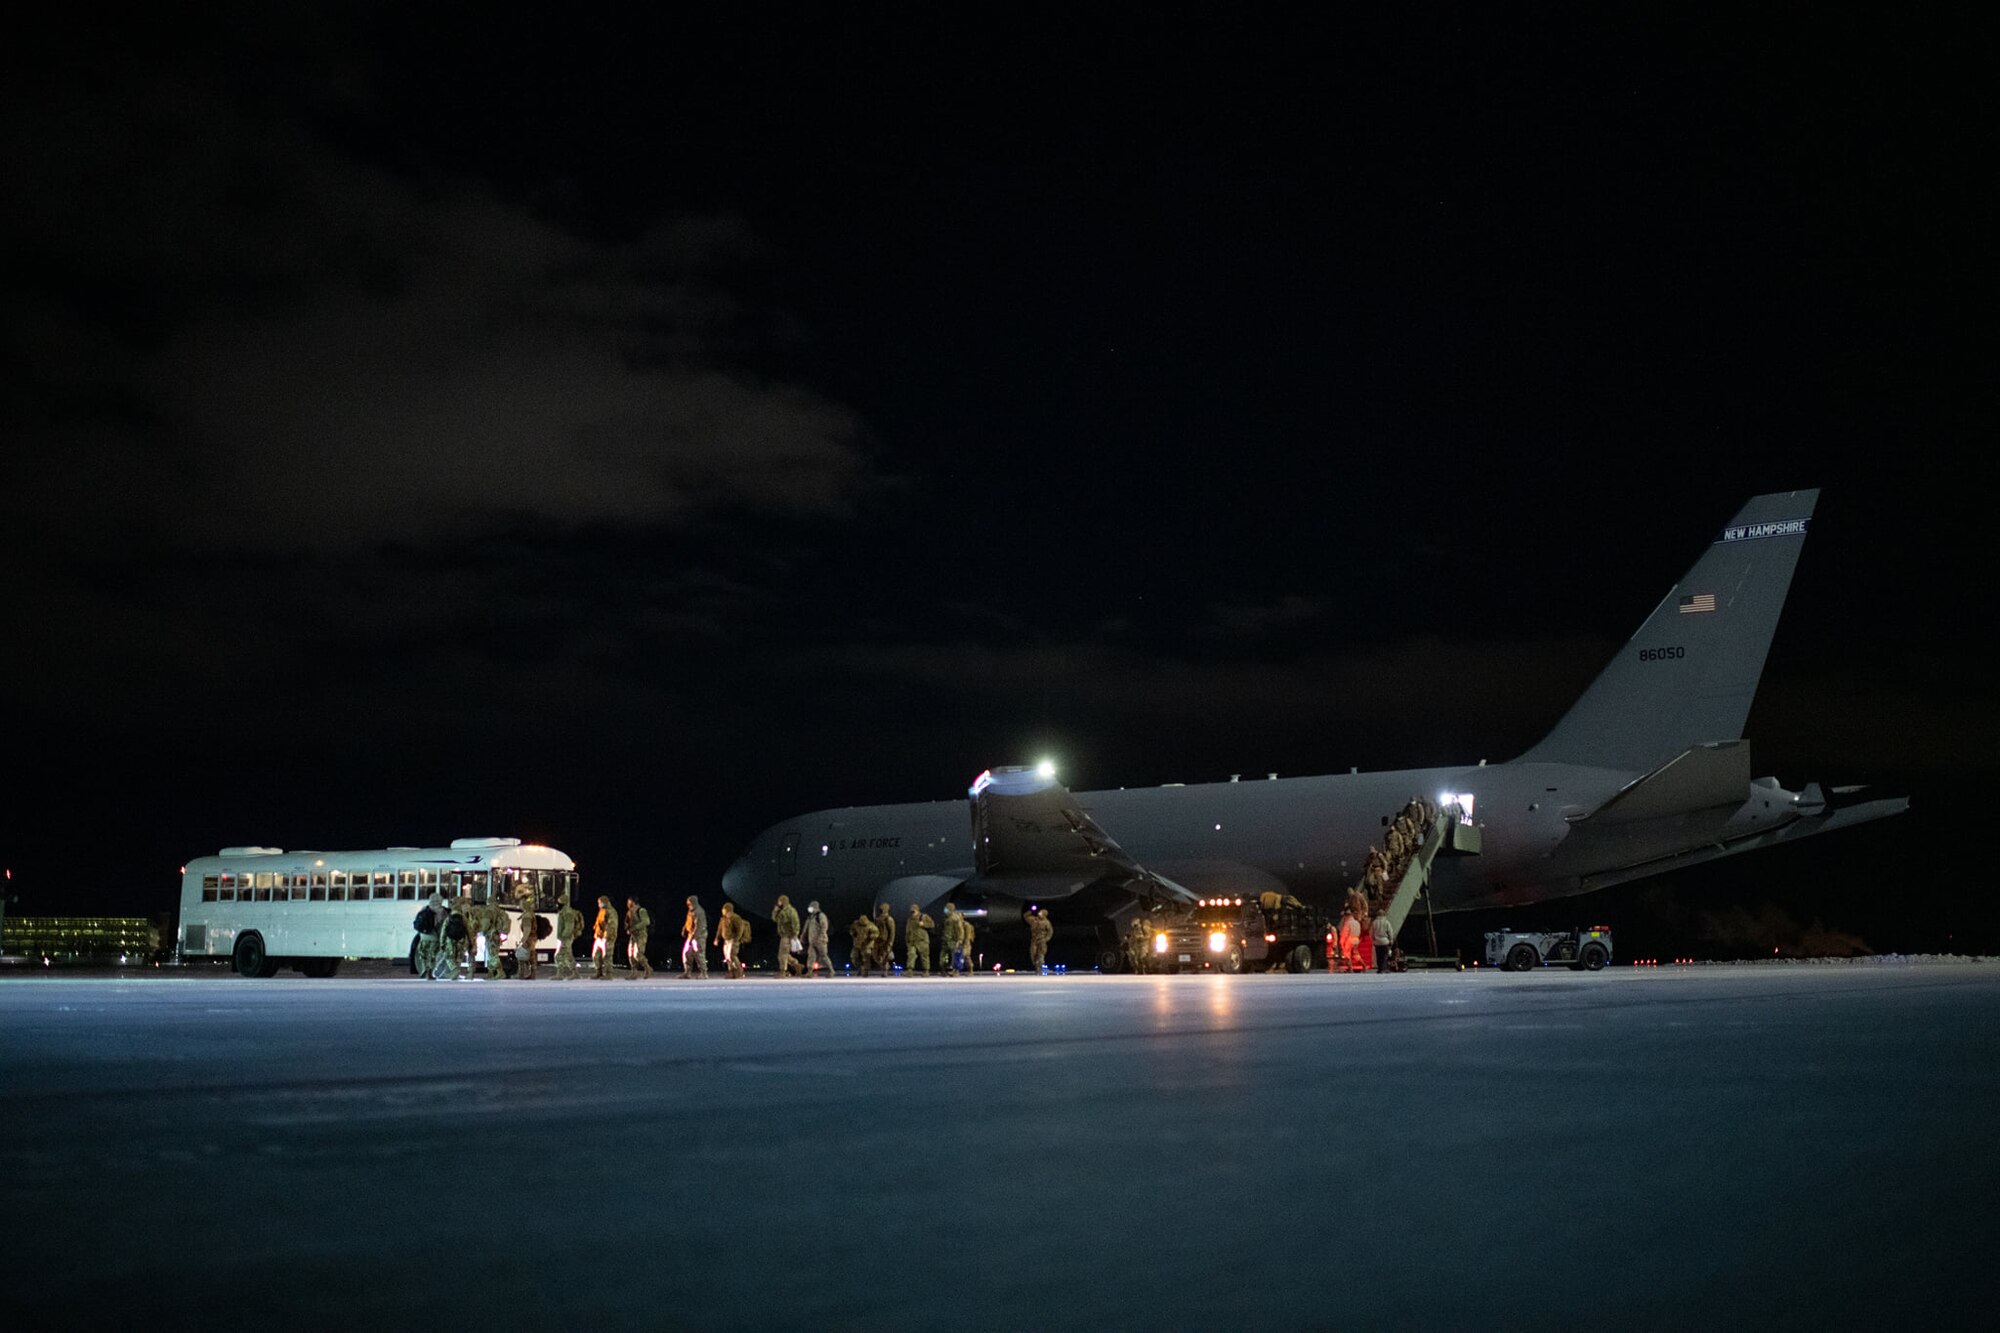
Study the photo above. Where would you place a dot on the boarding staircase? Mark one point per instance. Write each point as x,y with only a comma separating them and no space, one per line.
1449,834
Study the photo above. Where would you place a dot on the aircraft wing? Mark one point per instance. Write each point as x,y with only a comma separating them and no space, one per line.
1031,837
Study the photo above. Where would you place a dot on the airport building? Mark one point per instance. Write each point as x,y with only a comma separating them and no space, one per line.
77,938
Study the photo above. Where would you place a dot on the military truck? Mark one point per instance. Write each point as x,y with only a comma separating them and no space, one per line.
1587,948
1235,933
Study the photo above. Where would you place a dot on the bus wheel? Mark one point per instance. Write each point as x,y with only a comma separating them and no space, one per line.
1594,956
250,958
1300,959
413,957
319,967
1522,958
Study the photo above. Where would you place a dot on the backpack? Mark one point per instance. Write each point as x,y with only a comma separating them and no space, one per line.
454,927
424,922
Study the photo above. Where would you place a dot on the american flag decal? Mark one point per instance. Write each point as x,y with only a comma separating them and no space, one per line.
1699,602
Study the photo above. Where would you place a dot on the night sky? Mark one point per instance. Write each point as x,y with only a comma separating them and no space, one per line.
625,429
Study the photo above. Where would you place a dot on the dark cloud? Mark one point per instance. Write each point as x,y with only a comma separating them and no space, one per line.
360,358
262,388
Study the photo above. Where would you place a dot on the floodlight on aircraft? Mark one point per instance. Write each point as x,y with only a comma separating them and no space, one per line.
1046,769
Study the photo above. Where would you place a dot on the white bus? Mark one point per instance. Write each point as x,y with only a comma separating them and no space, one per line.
265,908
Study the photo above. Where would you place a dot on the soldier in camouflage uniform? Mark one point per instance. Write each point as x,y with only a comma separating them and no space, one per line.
786,918
816,940
694,941
457,936
1040,928
427,940
492,927
638,928
862,933
917,942
604,939
965,947
954,941
732,932
523,934
1137,937
569,925
885,939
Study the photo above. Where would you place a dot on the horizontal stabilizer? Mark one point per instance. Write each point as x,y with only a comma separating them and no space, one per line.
1701,778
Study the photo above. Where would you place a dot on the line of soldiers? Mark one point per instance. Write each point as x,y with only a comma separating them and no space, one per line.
1364,936
446,930
452,930
873,941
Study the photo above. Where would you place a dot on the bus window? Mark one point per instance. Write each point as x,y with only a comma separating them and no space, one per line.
209,886
337,887
427,880
408,887
790,864
261,883
318,894
473,882
448,882
385,886
298,888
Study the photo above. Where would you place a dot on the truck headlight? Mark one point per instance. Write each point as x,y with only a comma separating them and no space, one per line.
1160,942
1217,942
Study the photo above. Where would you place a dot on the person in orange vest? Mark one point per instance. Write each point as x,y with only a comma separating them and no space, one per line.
1350,941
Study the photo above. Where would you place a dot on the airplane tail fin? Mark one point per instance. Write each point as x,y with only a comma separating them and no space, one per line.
1688,676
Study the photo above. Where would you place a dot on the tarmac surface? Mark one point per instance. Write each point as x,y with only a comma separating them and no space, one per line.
1739,1146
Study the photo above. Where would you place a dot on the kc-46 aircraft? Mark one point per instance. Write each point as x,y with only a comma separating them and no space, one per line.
1647,773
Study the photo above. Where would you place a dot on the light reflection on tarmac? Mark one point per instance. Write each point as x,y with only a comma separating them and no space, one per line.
1751,1146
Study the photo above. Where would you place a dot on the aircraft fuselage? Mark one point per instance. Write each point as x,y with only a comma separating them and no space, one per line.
1305,836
